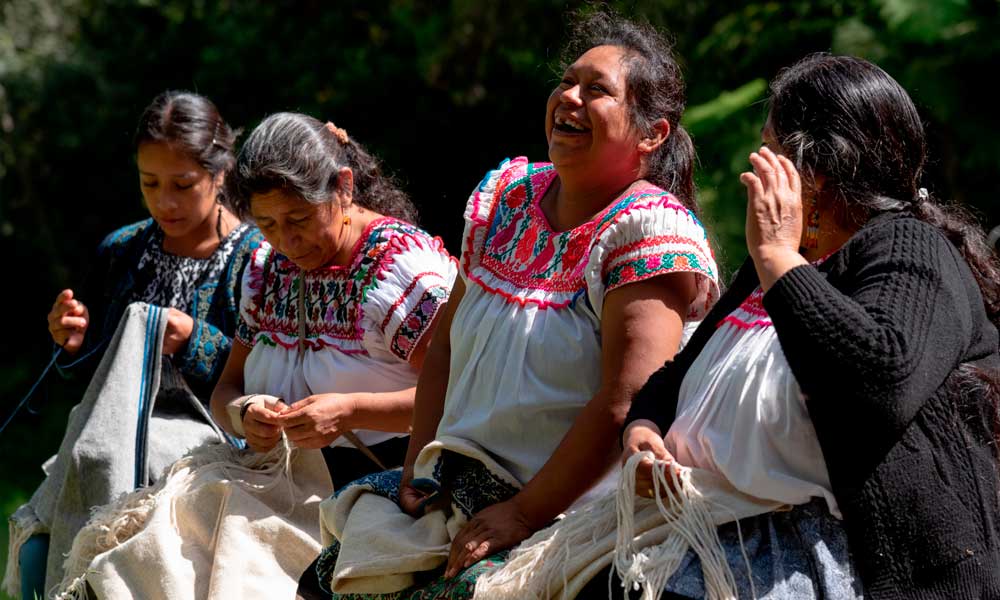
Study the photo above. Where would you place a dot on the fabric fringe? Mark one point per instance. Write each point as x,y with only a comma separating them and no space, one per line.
645,540
691,524
115,523
20,529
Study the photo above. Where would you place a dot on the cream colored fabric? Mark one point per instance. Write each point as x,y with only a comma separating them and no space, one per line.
645,539
223,523
381,546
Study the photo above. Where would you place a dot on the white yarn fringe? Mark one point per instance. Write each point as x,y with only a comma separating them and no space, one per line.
646,551
690,523
20,529
114,524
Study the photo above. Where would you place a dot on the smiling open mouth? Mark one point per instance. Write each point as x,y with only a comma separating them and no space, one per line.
565,125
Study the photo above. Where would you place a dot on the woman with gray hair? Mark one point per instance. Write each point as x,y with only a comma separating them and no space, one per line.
337,304
336,309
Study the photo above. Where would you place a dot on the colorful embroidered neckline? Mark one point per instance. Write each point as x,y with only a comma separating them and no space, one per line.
334,295
520,248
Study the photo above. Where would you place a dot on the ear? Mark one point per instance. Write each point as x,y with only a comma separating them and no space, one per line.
219,179
659,134
345,186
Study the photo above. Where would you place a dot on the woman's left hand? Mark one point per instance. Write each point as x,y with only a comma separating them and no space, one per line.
493,529
774,215
318,420
179,328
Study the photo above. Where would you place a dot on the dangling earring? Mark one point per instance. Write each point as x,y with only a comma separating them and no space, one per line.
347,217
811,238
218,223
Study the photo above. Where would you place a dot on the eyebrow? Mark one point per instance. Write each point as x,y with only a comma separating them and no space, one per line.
175,175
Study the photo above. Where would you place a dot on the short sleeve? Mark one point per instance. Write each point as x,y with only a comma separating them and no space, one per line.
655,235
252,296
413,286
478,209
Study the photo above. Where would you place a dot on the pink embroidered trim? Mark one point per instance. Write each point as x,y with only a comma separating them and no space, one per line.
753,307
344,287
310,343
406,294
417,323
559,267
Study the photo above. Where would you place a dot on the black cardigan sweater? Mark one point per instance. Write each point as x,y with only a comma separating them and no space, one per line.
882,338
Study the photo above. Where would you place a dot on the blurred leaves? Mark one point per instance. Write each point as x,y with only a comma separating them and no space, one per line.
442,91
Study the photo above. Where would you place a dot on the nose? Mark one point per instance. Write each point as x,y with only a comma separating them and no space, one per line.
288,240
164,200
571,95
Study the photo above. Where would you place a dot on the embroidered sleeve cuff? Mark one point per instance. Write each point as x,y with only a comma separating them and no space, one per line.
206,350
409,330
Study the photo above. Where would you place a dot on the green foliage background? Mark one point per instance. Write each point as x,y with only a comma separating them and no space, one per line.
442,91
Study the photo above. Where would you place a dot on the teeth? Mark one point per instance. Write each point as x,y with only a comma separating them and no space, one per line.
569,123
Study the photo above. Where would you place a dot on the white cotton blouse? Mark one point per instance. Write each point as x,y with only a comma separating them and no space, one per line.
526,337
741,414
362,321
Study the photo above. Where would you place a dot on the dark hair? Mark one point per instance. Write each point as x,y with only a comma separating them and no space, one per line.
654,90
846,119
300,155
191,123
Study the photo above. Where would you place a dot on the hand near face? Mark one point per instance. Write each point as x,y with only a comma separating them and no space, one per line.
179,328
68,321
318,420
493,529
774,205
262,425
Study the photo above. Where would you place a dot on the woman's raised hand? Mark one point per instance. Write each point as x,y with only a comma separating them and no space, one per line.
262,425
68,321
316,421
179,328
774,215
642,436
774,204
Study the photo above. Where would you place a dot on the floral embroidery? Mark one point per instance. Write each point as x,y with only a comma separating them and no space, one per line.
206,345
473,486
334,296
207,289
515,244
413,327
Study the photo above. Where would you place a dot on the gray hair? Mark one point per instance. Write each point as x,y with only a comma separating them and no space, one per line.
299,155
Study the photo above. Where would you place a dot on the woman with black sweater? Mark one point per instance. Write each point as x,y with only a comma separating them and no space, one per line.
853,362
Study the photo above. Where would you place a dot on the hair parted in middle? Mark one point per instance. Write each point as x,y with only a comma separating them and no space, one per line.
300,155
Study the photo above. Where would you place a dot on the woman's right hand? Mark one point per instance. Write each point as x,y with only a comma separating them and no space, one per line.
262,425
641,436
410,498
68,321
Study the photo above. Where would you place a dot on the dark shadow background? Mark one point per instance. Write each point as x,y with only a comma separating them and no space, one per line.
441,91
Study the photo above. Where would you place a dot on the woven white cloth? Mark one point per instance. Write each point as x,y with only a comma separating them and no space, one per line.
381,548
223,523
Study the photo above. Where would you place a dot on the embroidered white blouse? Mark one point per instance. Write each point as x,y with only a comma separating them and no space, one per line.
741,413
362,322
526,337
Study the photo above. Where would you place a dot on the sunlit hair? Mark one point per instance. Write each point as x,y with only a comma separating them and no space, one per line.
192,124
654,90
846,119
299,155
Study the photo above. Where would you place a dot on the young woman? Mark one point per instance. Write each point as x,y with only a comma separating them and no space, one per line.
187,258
